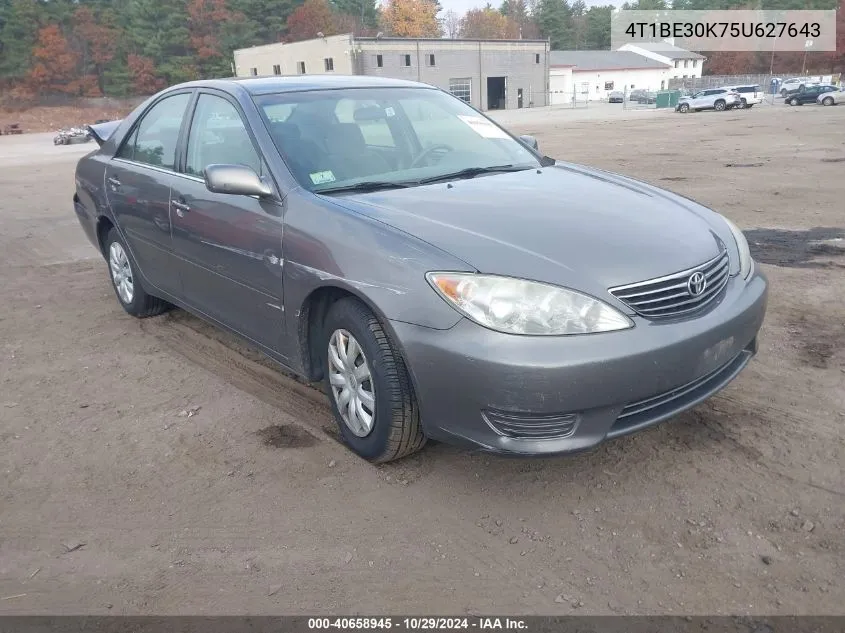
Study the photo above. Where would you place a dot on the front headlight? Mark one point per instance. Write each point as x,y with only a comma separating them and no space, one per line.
516,306
746,263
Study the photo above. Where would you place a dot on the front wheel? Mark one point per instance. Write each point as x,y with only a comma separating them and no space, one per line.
743,104
794,101
828,101
683,108
719,105
371,394
123,271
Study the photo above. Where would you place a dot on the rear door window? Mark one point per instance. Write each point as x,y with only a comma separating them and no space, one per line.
155,138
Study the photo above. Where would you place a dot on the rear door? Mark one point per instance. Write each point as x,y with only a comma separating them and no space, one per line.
228,247
138,181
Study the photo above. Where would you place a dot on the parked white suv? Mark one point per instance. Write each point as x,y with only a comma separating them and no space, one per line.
711,99
749,95
797,83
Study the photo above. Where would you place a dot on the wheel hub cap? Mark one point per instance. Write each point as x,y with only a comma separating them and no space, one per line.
351,383
121,272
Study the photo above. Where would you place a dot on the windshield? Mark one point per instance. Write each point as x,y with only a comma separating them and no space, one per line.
334,139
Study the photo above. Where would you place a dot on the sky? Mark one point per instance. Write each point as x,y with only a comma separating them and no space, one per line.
462,6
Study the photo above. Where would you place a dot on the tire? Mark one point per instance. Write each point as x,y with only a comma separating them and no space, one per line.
720,105
783,93
136,301
748,106
794,101
683,108
743,104
828,101
394,430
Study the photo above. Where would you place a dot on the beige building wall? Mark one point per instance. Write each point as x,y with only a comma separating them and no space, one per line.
285,59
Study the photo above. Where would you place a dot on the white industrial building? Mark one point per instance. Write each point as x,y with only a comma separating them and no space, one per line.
592,75
683,64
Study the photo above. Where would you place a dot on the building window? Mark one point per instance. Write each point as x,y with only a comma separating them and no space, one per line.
537,58
686,63
277,69
379,61
329,63
461,88
686,76
429,59
406,60
608,85
632,86
253,72
694,63
300,68
677,62
662,84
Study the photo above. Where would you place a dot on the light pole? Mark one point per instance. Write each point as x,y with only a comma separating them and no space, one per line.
807,45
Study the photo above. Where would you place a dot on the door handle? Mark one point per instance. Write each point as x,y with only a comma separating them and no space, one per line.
181,208
114,182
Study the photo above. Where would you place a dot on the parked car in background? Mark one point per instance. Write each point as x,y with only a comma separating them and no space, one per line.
616,97
810,94
711,99
797,83
642,96
749,95
832,98
443,278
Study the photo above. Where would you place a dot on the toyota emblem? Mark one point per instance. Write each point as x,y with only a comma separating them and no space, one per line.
696,284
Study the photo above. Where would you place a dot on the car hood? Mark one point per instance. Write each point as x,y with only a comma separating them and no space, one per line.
567,225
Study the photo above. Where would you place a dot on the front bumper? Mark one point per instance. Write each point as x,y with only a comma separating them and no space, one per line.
549,395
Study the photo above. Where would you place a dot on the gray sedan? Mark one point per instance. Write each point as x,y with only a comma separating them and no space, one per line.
443,278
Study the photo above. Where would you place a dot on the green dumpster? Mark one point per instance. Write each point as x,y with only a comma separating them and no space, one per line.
667,98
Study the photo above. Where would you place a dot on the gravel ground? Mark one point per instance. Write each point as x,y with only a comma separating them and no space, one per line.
161,467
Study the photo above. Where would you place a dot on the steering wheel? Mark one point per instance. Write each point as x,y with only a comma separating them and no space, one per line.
430,150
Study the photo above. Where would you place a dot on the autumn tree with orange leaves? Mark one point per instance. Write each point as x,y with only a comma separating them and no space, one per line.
410,18
54,63
310,18
488,24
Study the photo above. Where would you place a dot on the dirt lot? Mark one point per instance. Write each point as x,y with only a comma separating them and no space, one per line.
119,495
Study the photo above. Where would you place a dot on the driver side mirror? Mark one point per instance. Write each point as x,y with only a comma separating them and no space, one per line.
235,179
530,141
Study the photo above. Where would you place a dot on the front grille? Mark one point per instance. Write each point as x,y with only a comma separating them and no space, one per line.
670,296
647,411
532,427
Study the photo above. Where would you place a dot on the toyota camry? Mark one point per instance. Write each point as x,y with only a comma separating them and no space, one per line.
444,278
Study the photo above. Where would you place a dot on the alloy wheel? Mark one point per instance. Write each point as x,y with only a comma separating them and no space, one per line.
121,272
351,383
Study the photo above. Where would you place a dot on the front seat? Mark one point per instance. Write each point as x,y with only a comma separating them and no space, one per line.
302,156
349,154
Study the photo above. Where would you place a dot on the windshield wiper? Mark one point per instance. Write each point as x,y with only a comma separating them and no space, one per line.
369,185
472,172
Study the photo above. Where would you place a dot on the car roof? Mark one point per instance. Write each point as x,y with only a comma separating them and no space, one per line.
299,83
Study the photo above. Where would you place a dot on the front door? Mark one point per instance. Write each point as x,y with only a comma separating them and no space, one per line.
229,247
138,181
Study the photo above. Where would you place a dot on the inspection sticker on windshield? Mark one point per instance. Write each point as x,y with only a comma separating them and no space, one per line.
483,127
322,177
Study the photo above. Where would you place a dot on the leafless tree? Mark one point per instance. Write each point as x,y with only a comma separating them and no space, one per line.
451,24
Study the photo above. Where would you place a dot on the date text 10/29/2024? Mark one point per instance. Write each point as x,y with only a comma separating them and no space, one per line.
418,624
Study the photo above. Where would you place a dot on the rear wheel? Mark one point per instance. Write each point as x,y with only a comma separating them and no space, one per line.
368,384
719,105
127,286
828,101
